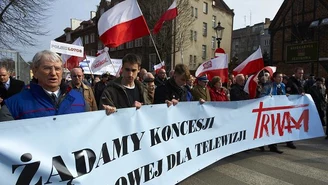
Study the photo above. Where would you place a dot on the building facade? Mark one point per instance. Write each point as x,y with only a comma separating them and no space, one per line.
189,39
246,41
299,35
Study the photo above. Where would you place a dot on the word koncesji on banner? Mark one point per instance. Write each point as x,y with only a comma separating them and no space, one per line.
152,145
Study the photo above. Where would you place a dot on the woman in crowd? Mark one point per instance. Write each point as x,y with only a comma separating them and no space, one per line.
217,91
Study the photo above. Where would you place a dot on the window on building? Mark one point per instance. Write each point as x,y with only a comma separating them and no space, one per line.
120,47
100,45
192,11
68,37
112,49
195,60
214,21
191,35
92,38
152,61
205,8
129,45
196,12
190,60
213,42
138,42
93,52
213,3
204,51
86,39
195,35
204,29
82,40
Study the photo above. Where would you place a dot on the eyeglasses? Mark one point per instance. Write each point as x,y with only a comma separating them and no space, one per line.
74,76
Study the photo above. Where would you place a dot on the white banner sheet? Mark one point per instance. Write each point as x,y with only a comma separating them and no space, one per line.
68,49
152,145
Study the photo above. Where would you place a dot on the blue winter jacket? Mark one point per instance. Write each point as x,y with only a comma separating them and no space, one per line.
271,89
34,102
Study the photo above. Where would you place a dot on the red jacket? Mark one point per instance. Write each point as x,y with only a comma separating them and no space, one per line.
219,95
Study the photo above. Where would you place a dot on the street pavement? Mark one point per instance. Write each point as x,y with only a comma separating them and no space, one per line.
306,165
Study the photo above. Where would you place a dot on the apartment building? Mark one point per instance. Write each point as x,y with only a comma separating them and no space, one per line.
189,39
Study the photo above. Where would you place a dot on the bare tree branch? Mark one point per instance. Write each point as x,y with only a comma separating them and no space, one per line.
21,21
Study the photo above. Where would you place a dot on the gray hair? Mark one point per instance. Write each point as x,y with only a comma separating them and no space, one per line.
51,56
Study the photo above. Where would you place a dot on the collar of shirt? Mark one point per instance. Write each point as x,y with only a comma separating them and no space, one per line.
7,84
57,93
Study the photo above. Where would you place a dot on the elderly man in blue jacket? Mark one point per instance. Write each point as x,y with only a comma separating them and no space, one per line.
46,95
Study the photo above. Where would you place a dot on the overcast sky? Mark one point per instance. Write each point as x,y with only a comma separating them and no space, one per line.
247,12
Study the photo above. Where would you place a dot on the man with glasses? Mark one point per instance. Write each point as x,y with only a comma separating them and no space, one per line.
77,84
125,91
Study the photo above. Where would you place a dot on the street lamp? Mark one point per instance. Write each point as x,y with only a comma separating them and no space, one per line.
219,33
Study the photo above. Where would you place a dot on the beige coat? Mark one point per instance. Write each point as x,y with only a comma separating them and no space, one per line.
199,92
88,97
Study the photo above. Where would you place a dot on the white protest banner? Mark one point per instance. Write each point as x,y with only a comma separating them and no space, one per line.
100,62
113,68
68,49
152,145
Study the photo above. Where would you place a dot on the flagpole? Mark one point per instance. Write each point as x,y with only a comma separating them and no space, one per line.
151,36
90,71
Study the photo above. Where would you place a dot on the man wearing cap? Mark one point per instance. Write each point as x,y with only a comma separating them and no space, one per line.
200,91
100,86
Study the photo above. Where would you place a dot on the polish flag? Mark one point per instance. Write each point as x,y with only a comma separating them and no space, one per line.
100,62
170,14
251,65
159,66
122,23
252,81
215,67
70,61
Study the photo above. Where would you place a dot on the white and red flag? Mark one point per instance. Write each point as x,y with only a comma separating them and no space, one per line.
252,64
215,67
159,66
170,14
252,81
122,23
71,61
100,62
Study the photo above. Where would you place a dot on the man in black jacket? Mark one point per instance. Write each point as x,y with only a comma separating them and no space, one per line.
237,90
295,86
126,91
173,90
8,86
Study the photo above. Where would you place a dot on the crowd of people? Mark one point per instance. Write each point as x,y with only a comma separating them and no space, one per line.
49,94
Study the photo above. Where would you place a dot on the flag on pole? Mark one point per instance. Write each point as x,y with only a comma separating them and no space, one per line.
159,66
170,14
252,64
100,62
215,67
252,81
70,61
122,23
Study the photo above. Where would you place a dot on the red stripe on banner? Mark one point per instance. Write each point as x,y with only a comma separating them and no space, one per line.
125,32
